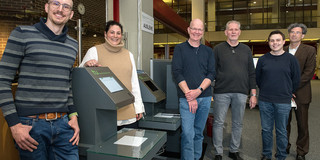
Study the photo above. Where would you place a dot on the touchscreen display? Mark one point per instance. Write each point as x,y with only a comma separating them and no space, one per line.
111,84
151,85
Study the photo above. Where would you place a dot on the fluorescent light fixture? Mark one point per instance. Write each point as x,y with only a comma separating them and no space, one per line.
312,39
168,1
164,43
243,40
258,40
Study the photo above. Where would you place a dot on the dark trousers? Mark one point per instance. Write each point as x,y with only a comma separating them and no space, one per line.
303,129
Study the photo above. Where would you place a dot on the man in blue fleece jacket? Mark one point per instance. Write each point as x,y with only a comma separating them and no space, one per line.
193,71
278,77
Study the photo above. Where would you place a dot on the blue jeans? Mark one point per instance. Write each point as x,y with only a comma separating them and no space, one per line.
53,138
274,114
221,105
192,127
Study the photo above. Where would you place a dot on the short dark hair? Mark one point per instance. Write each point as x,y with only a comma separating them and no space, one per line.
301,25
277,32
111,23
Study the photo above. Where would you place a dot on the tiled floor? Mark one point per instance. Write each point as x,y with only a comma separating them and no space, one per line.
251,144
251,137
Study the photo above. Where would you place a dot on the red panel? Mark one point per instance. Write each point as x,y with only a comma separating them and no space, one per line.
116,11
168,17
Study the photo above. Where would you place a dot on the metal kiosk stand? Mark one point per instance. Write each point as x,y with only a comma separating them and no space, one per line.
97,94
158,115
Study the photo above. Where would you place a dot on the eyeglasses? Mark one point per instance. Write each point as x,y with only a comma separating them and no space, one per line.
56,5
293,32
196,29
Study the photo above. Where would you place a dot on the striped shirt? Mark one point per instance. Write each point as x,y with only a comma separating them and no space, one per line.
44,62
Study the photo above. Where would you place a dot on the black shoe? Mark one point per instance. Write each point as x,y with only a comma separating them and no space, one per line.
300,157
265,158
235,156
218,157
288,150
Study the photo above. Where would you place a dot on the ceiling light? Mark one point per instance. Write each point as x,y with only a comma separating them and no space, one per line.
164,43
257,40
168,1
311,39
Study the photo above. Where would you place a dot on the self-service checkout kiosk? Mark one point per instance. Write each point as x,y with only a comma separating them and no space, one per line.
160,116
97,94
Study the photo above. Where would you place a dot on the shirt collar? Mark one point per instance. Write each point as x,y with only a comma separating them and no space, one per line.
43,28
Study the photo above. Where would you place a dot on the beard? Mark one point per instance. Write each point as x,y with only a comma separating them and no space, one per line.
58,21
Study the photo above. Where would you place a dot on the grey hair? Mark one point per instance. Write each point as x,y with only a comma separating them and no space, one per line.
301,25
233,21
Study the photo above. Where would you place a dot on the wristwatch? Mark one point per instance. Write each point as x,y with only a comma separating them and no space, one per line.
255,95
200,89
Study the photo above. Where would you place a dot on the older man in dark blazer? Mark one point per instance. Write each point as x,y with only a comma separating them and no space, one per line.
306,56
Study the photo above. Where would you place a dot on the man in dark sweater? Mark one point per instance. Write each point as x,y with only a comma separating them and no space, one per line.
193,71
235,78
278,77
42,118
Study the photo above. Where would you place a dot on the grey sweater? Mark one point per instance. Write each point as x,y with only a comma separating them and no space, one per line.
234,68
44,62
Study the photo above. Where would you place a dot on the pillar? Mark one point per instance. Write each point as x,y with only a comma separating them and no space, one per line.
318,16
109,10
198,9
275,12
140,43
211,15
167,51
318,60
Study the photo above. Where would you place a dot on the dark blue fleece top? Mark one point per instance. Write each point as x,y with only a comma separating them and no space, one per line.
277,77
193,65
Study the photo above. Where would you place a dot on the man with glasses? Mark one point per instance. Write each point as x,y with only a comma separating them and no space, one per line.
235,78
42,118
306,56
193,71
